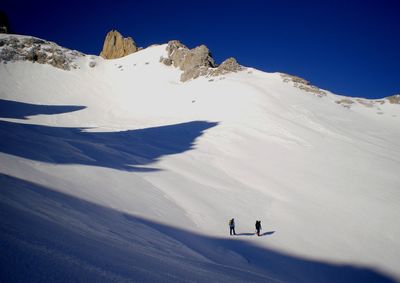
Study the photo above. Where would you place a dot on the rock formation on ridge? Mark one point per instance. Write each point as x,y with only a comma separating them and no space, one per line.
196,62
17,48
303,84
228,66
116,46
394,99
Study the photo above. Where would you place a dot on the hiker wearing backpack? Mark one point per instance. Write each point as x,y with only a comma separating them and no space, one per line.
258,227
232,226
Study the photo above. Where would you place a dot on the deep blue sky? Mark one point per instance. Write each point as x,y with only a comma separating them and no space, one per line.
348,47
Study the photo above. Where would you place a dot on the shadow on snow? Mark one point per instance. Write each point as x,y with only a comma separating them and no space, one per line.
50,236
245,234
125,150
21,110
254,233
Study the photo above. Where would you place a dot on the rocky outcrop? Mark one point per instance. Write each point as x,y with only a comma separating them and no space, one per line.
345,102
228,66
15,48
116,46
303,84
193,62
196,62
369,103
394,99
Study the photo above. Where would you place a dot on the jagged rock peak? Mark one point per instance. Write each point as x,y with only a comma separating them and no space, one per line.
116,46
196,62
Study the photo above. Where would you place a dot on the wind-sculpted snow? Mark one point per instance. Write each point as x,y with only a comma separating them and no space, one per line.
53,237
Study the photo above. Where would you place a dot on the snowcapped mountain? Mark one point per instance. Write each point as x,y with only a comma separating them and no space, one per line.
116,170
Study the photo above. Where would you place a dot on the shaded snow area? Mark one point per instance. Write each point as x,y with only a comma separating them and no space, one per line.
116,171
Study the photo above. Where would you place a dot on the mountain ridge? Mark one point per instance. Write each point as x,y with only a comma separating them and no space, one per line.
29,48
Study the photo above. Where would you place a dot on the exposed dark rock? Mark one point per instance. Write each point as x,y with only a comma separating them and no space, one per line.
36,55
8,54
13,48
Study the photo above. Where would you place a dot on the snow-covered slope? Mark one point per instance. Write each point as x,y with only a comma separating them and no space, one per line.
117,171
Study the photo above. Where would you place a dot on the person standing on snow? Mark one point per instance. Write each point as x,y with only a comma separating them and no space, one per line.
232,226
258,227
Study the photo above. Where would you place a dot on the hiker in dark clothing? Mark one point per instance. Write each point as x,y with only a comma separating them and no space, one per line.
258,227
232,226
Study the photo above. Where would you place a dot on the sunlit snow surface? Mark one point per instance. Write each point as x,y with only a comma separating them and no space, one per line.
120,172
